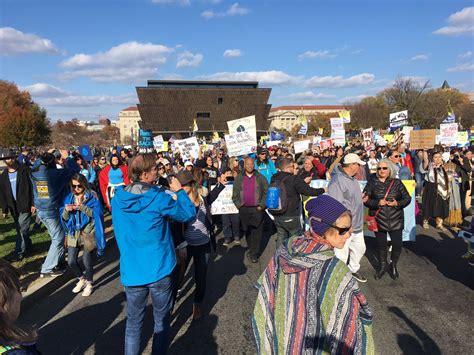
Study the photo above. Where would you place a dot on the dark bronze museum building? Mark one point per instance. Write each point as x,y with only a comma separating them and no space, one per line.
170,106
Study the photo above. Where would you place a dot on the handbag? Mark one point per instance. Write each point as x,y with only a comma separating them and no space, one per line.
88,240
371,221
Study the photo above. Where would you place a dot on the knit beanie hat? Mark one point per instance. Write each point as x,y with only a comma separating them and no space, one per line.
325,210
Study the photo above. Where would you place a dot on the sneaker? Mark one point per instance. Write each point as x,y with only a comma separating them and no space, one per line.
79,286
359,277
237,242
426,225
88,289
226,243
53,273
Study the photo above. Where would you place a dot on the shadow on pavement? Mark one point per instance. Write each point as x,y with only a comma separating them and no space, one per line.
409,344
446,255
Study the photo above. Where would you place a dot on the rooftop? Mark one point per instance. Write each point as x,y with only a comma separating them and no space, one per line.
303,107
196,84
131,108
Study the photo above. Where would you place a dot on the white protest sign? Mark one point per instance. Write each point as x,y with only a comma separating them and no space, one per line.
272,143
301,146
188,147
239,143
398,119
223,204
158,143
244,124
448,134
337,123
338,137
406,134
368,135
316,140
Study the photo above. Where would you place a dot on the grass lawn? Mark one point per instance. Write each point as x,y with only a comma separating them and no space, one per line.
31,264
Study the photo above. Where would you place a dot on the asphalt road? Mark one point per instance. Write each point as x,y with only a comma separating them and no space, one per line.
429,310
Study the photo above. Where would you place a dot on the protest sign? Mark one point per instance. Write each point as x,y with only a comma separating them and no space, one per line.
188,147
326,144
145,139
272,143
422,139
345,115
388,137
301,146
338,137
158,143
463,139
398,119
316,140
86,153
368,135
223,204
245,124
448,134
337,123
406,133
239,143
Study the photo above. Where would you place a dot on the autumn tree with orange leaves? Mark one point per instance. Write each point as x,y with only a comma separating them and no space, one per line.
22,121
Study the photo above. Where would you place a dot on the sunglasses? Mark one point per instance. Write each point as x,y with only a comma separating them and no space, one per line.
340,230
382,168
161,168
396,156
77,186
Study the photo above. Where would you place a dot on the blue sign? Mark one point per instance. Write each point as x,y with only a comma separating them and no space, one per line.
86,152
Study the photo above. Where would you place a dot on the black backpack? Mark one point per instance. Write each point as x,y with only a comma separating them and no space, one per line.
283,197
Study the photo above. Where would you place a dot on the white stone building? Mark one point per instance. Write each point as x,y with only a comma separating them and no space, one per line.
128,123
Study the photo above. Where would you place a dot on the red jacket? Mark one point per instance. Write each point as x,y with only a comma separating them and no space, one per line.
406,161
104,180
321,168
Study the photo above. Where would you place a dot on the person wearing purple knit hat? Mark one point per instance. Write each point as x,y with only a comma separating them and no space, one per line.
308,300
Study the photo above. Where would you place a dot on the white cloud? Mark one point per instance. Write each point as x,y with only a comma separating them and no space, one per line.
422,57
231,53
339,81
271,77
14,42
127,62
90,101
352,99
461,22
45,90
318,54
307,95
168,2
188,59
234,10
462,67
465,55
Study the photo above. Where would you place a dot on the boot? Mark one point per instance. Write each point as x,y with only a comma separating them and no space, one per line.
197,311
382,256
393,271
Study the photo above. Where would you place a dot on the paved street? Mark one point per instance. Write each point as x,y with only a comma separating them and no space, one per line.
428,311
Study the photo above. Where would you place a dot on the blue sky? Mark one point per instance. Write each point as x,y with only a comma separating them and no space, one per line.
84,58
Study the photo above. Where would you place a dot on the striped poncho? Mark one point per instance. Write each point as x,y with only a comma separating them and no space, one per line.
309,303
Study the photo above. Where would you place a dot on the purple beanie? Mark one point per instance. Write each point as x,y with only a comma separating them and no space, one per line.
326,209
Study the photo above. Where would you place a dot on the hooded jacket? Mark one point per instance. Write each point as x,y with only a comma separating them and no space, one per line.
24,192
346,190
140,218
309,303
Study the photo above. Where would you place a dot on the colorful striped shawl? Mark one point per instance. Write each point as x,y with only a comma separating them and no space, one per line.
309,303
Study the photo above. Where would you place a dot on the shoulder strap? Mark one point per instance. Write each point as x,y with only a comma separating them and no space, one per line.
388,190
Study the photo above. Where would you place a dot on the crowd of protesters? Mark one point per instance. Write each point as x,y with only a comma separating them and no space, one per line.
160,204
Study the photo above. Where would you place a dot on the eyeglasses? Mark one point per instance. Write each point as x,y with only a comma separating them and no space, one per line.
74,186
161,168
340,230
382,168
396,156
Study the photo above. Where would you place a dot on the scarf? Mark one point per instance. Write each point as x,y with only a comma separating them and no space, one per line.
442,184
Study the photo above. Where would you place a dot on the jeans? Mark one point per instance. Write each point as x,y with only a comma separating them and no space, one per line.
287,227
56,249
231,226
355,247
137,296
419,183
252,225
201,255
23,241
72,260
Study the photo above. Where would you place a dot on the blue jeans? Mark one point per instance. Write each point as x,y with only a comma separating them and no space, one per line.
56,233
161,296
73,262
419,183
231,226
23,241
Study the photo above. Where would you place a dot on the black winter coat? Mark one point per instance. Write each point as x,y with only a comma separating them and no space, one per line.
390,218
295,186
24,192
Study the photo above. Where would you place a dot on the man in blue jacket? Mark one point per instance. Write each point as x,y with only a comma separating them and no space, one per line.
49,186
140,216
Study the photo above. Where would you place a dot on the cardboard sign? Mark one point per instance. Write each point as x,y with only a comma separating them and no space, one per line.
368,135
188,147
223,204
422,139
337,123
240,143
398,119
301,146
448,134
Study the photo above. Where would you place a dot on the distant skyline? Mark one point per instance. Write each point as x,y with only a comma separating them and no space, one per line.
84,59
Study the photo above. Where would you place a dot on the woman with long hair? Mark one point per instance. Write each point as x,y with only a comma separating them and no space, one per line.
455,217
86,169
235,166
435,198
81,216
386,197
112,176
13,338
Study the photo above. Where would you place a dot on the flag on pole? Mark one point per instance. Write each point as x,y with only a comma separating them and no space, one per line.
304,125
451,117
195,126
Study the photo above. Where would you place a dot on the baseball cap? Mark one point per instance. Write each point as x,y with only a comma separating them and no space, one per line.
7,154
188,163
352,158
